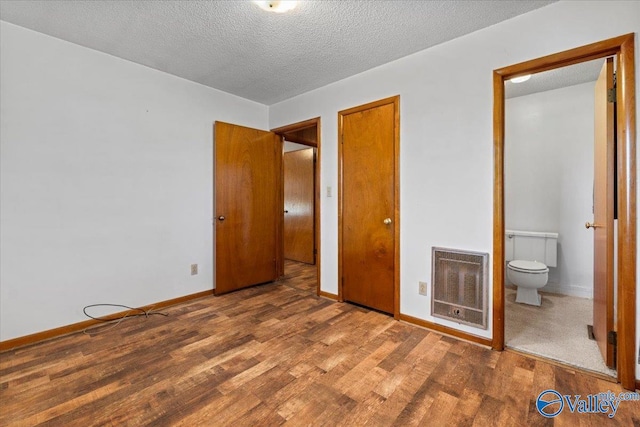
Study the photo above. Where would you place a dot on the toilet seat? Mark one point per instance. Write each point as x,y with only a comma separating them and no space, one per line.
529,267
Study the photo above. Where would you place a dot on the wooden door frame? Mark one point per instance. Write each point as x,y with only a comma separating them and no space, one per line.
306,124
395,100
623,48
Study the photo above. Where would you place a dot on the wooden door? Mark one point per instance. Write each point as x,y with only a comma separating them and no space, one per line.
248,206
368,204
299,198
603,211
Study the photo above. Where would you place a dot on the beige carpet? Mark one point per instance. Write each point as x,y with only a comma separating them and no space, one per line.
556,330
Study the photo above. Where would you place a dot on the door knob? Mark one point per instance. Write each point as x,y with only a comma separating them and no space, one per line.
221,218
387,221
591,225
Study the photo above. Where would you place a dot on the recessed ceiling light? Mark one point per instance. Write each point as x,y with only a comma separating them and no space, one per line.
276,6
520,79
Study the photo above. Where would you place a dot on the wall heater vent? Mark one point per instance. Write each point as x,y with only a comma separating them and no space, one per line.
459,290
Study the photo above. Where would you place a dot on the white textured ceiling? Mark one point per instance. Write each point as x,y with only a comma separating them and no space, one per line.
238,48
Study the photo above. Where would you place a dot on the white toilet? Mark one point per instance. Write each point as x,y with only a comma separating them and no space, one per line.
529,255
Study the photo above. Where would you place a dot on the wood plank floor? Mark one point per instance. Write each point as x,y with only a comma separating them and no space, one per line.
278,355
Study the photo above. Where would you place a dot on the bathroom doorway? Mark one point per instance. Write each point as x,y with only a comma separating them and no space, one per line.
624,318
549,175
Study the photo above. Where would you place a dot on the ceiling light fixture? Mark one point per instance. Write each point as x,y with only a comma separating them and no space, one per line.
276,6
520,79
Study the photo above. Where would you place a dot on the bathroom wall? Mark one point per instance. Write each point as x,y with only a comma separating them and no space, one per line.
549,177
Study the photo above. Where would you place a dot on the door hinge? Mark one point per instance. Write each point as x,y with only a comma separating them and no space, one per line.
315,252
612,338
611,95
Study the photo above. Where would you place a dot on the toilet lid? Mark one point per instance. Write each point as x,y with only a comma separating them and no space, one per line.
528,266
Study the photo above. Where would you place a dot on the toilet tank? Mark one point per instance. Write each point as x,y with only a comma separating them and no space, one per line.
531,246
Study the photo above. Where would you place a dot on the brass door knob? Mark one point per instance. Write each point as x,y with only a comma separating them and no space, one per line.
387,221
590,225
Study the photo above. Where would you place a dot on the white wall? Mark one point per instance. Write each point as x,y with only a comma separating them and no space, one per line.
106,181
446,160
549,177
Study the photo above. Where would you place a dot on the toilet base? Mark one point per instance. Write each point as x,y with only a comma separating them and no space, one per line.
528,296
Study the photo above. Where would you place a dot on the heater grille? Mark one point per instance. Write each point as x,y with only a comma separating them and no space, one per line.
459,286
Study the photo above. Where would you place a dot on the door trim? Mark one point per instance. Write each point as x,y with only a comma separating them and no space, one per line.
623,48
395,100
306,124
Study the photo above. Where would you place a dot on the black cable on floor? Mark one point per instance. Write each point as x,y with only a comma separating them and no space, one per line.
116,322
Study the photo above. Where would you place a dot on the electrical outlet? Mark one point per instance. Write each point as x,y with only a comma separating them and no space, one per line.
194,269
422,288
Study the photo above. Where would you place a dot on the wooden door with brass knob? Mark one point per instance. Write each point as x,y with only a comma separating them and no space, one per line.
368,199
248,206
603,214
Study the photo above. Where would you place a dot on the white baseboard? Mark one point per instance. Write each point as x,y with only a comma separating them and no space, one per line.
573,291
